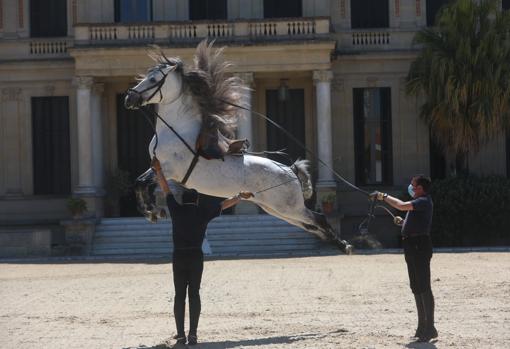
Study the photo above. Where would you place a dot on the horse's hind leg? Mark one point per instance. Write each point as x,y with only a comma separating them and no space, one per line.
314,223
321,222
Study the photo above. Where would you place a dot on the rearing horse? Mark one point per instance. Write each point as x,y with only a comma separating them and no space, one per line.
189,97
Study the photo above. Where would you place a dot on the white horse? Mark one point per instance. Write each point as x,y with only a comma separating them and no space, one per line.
189,97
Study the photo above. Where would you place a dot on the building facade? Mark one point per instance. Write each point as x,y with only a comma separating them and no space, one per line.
332,72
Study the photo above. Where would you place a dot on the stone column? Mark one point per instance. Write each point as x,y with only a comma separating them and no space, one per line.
97,137
322,80
84,124
245,128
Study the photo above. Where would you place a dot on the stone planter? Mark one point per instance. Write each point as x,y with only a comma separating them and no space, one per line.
79,234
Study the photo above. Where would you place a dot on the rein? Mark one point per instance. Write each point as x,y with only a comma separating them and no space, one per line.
364,225
298,142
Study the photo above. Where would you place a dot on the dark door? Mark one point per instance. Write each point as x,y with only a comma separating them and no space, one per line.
437,160
51,145
290,114
134,134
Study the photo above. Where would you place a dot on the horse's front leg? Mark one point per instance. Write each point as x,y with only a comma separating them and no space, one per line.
145,185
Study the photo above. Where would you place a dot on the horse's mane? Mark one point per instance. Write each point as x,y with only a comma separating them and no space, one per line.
212,88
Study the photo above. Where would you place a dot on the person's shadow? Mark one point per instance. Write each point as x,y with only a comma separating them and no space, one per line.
235,344
422,345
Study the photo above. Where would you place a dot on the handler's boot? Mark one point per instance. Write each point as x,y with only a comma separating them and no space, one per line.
422,321
192,339
180,339
430,331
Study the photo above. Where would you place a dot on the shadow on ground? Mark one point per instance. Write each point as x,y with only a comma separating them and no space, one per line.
243,343
421,345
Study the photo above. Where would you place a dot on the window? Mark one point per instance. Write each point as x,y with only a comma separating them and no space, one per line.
207,9
437,159
131,11
283,8
433,7
48,18
50,142
505,4
372,135
369,14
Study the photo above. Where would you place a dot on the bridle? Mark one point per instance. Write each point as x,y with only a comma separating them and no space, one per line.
157,88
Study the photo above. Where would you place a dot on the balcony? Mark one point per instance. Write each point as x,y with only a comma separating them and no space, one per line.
35,48
182,33
375,40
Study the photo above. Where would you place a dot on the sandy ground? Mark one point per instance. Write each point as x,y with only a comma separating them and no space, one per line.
314,302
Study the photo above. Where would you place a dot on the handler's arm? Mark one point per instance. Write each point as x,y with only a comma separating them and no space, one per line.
163,184
398,204
234,200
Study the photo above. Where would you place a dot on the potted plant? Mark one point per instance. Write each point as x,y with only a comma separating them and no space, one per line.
328,203
77,206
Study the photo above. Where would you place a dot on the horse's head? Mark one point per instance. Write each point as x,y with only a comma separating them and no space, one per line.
162,84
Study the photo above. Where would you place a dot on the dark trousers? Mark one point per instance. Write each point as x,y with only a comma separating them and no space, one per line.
187,269
418,252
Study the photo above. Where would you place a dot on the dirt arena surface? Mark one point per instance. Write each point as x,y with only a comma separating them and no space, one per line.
359,301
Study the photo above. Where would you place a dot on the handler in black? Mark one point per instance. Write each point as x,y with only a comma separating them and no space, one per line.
189,223
417,249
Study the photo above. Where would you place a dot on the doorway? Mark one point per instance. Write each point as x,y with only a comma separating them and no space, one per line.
290,114
134,134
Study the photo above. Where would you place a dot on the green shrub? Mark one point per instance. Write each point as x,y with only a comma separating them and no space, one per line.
77,206
471,211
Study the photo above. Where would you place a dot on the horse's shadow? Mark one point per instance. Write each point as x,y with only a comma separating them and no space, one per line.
422,345
238,343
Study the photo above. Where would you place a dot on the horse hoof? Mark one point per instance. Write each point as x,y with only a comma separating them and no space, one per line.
348,249
151,217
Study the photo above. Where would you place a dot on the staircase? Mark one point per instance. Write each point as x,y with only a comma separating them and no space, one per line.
228,235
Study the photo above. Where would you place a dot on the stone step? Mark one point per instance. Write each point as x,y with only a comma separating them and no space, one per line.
227,218
228,235
227,250
210,236
101,231
213,242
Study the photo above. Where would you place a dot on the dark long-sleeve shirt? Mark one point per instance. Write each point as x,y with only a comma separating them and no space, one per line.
189,222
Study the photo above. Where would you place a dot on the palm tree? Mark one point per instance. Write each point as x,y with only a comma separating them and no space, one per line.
463,75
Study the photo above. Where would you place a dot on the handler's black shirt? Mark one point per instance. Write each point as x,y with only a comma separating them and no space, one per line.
189,223
419,220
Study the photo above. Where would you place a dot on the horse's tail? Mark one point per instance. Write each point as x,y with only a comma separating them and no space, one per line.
300,168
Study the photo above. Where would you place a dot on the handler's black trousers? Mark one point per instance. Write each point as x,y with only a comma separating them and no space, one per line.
187,269
418,252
